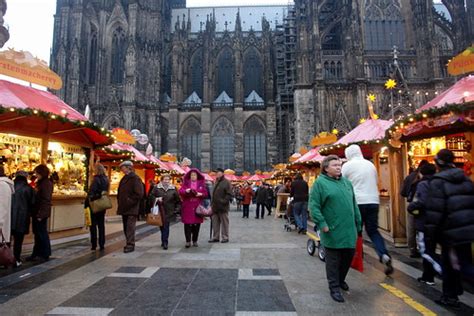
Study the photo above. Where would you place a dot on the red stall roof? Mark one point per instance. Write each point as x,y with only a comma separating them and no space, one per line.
22,97
311,156
53,115
370,130
461,92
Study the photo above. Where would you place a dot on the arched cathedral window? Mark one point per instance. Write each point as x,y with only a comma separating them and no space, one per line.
252,72
196,73
93,57
255,145
190,141
225,75
223,148
332,39
384,25
118,55
168,68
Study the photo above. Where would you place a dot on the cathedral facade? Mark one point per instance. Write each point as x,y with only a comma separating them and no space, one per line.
243,87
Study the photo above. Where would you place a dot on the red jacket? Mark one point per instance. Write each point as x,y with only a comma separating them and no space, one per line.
247,193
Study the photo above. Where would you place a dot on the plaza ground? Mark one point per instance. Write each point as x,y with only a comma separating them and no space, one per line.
264,270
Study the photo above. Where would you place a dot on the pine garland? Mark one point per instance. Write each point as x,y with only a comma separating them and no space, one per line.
63,119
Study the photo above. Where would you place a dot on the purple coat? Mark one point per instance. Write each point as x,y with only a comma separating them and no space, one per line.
190,201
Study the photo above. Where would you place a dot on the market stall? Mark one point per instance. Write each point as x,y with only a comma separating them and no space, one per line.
309,165
37,127
447,121
369,135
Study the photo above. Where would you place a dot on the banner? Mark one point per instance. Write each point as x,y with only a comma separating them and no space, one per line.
123,136
24,66
462,63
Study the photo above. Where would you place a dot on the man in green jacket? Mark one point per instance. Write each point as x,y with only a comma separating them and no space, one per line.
334,210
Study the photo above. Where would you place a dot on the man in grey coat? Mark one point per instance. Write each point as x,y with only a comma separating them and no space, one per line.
221,197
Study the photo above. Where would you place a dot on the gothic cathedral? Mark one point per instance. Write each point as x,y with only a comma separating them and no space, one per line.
244,87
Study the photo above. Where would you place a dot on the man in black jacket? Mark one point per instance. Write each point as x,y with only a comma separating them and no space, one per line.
408,191
299,193
449,220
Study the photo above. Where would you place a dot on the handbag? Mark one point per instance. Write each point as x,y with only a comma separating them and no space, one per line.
6,255
203,211
154,217
357,260
101,204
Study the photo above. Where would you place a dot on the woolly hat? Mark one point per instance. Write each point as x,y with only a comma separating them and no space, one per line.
444,158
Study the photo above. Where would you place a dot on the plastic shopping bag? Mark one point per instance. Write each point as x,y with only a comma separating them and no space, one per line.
358,260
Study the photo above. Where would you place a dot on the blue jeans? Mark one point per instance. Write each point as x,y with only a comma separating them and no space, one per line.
370,218
165,232
300,212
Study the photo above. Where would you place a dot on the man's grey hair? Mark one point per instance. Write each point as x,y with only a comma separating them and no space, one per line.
326,162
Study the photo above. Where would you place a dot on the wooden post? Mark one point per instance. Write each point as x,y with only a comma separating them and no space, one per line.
396,159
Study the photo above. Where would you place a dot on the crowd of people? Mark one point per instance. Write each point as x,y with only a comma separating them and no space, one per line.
343,200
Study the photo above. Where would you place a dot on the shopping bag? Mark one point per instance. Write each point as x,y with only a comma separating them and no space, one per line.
87,216
203,211
358,259
6,255
101,204
154,217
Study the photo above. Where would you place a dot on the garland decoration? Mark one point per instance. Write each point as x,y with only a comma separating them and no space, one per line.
63,119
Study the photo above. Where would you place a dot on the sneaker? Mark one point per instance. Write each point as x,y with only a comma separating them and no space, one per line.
195,244
225,241
430,283
187,245
18,264
388,264
128,249
213,240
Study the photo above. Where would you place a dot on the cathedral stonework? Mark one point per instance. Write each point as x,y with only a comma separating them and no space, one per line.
243,87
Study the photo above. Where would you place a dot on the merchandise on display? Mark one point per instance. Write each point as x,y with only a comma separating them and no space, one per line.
427,148
67,164
19,153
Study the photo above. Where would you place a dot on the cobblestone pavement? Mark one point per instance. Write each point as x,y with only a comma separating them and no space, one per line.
263,270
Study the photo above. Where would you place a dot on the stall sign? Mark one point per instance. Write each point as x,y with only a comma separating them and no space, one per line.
65,148
24,66
462,63
19,140
123,136
412,128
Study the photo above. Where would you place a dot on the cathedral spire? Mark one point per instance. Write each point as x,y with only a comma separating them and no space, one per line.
238,24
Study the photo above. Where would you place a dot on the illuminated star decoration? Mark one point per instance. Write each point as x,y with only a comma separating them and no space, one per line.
390,84
371,97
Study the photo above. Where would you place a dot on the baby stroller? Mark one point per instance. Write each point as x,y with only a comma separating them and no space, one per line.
314,242
289,218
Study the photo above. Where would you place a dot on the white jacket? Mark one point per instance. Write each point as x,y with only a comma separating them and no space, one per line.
7,189
362,174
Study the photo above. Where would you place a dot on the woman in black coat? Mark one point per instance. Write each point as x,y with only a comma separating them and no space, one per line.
41,213
99,185
22,207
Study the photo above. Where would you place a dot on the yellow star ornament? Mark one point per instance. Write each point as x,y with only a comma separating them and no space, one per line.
371,97
390,84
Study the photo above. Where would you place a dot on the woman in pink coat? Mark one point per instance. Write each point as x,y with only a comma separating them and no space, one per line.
192,192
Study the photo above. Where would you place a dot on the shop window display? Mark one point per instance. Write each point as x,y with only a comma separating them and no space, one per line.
427,148
19,153
67,164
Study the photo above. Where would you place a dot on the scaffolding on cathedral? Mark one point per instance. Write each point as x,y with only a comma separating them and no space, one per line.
285,51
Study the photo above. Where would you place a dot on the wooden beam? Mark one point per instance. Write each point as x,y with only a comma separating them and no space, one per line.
68,130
